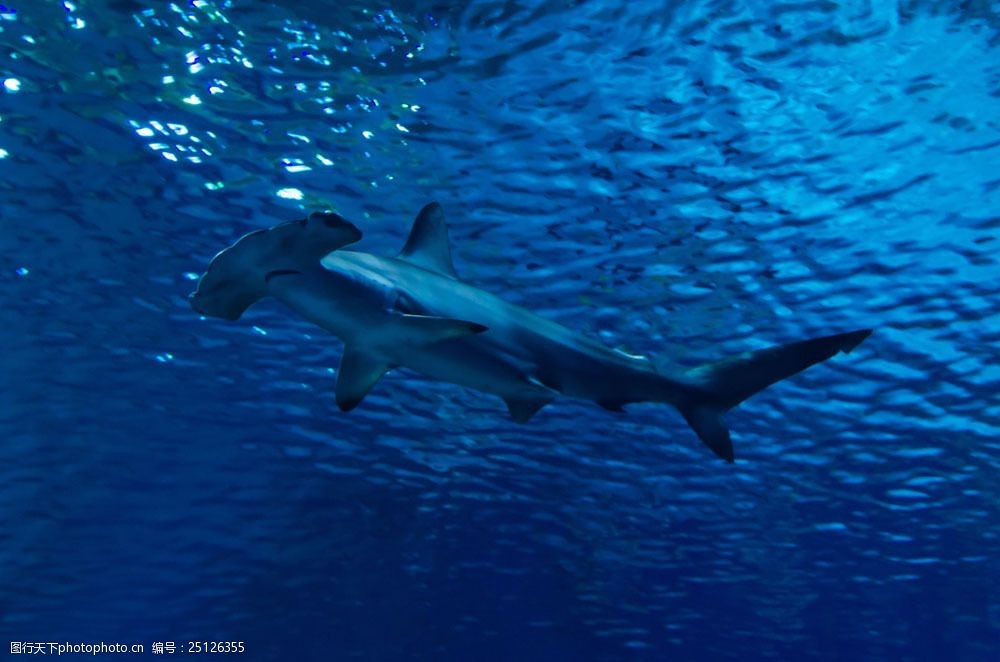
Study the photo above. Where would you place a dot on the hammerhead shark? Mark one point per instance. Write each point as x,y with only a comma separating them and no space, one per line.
413,310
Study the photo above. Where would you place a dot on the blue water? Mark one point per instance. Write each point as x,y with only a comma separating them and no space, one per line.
691,179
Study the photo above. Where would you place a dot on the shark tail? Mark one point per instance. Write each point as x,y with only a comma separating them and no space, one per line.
718,387
236,278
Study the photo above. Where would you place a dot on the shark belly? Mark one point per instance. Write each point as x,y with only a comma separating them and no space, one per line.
368,301
469,363
519,353
513,361
360,314
345,309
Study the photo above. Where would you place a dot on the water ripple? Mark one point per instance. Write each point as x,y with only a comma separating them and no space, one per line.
690,178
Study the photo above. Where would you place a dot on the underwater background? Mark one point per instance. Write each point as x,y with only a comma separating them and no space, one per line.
689,179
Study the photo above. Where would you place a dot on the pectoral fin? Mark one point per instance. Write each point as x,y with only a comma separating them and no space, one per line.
358,373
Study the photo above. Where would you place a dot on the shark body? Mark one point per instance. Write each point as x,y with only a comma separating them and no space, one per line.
412,310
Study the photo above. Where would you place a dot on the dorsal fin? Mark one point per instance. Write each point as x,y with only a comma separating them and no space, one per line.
427,246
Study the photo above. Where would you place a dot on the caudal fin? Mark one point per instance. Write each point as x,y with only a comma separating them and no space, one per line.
236,278
718,387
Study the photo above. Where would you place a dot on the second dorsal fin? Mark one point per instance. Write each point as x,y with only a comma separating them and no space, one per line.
427,246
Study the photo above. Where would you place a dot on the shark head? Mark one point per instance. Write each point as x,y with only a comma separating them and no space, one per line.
237,276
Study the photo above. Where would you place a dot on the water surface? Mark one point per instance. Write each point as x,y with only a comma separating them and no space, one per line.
683,178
